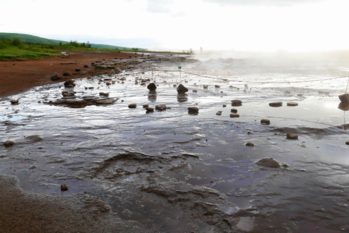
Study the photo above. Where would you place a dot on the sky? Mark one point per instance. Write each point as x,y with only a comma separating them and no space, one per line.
240,25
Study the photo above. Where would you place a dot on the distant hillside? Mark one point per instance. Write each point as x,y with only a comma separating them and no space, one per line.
35,39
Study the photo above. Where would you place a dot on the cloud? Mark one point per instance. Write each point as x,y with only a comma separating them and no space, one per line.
262,2
159,6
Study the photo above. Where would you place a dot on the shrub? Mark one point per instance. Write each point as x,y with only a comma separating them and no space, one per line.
17,42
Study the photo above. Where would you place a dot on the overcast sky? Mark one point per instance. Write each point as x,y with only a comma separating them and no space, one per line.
252,25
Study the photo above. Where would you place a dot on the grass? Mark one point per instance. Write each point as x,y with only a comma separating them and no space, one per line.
15,53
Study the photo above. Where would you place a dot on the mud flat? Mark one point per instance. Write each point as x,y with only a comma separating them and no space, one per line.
169,170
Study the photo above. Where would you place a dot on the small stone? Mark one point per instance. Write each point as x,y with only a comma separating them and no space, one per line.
132,106
347,143
265,122
149,109
77,69
233,115
292,104
160,107
104,93
55,76
224,105
292,136
268,162
85,66
193,110
219,113
8,143
66,73
195,91
64,187
205,86
249,144
14,101
145,105
236,102
182,89
69,83
275,104
151,87
233,110
217,86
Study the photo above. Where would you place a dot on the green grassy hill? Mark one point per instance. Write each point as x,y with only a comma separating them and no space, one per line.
35,39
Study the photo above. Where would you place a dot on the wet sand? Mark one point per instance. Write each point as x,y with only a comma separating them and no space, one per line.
171,171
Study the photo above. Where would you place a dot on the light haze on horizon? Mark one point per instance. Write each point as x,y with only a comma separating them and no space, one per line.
245,25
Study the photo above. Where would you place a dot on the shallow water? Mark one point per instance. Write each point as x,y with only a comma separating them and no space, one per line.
153,168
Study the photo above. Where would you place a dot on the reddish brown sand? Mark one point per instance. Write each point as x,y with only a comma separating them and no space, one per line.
19,76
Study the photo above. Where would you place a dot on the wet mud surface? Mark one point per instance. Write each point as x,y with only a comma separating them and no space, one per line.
171,171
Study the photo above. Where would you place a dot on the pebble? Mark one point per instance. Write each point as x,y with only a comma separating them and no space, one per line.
265,122
347,143
292,104
145,105
149,109
224,105
292,136
195,91
14,101
233,115
233,110
275,104
160,107
64,187
9,143
193,110
132,106
236,102
249,144
205,86
219,113
268,162
217,86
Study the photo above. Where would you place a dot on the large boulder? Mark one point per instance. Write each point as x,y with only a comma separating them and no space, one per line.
182,89
55,76
151,87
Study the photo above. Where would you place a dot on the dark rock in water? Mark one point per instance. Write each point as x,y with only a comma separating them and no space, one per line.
292,104
145,105
182,89
149,109
55,76
224,105
268,162
217,86
292,136
195,91
8,143
343,106
219,113
132,106
85,66
344,98
234,110
249,144
234,115
64,187
65,93
265,122
236,102
104,93
14,102
77,69
34,138
160,107
69,83
66,73
151,87
205,86
347,143
275,104
193,110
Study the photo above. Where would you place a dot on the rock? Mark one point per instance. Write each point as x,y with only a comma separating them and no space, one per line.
145,105
69,83
8,143
344,98
160,107
300,95
77,69
181,89
64,187
55,76
193,110
233,115
65,93
234,110
236,102
34,138
343,106
91,87
219,113
292,136
132,106
347,143
292,104
195,91
151,87
205,86
106,101
85,66
66,73
265,122
275,104
149,109
224,105
249,144
14,102
268,162
104,93
217,86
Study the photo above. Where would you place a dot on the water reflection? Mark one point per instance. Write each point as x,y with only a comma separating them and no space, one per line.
343,106
182,98
152,96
